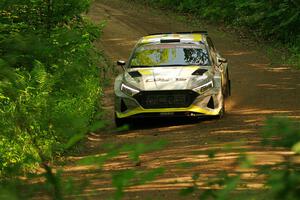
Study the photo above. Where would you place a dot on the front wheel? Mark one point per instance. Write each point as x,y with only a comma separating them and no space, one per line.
119,121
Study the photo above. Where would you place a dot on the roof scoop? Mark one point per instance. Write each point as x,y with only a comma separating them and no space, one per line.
199,72
171,40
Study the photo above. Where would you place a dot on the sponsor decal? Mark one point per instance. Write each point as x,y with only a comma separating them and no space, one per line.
151,80
181,79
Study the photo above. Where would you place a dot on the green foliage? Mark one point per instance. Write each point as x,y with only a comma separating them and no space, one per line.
283,178
284,184
49,80
57,186
276,20
281,132
50,88
132,177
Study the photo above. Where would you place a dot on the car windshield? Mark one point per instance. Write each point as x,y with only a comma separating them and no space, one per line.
170,55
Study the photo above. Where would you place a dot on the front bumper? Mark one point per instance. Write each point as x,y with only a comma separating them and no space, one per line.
209,104
167,112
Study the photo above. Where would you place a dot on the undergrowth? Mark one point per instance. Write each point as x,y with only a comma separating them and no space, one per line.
50,84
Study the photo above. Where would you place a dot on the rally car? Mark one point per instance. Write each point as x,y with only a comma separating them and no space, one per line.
172,74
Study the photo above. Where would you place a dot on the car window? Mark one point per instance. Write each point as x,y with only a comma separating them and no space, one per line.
170,55
212,50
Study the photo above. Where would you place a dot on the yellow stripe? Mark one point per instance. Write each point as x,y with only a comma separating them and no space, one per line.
150,37
150,72
147,39
197,37
192,108
145,71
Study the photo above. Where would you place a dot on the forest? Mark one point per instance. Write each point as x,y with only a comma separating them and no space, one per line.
272,21
52,84
49,80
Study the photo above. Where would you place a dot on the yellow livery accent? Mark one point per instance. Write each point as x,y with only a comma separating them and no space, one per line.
146,72
197,37
192,108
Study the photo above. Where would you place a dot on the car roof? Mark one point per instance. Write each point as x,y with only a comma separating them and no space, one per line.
195,37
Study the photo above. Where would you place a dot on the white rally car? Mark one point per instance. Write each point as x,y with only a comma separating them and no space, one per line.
172,74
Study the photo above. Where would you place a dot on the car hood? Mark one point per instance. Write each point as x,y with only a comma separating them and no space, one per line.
165,78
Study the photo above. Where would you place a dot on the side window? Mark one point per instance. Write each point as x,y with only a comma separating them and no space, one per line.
210,44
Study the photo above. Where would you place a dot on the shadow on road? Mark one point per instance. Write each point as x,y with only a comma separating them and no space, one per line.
150,123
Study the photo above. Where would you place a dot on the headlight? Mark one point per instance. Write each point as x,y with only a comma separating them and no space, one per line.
203,88
128,90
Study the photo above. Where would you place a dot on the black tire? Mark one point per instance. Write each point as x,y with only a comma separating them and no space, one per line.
119,121
228,88
227,92
222,111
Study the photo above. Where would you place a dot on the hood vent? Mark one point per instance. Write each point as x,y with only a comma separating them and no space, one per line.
135,74
199,72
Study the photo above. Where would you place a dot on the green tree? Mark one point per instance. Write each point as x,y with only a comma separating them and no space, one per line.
49,79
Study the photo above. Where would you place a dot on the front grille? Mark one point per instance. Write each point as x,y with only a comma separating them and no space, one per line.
166,99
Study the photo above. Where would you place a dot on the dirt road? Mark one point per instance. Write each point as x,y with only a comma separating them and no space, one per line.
259,89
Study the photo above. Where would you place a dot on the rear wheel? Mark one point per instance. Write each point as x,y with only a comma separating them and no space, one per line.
227,90
227,87
222,111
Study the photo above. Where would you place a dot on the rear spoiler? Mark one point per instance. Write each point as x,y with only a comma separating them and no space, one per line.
188,32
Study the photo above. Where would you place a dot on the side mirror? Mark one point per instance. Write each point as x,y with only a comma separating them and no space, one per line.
222,60
121,63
